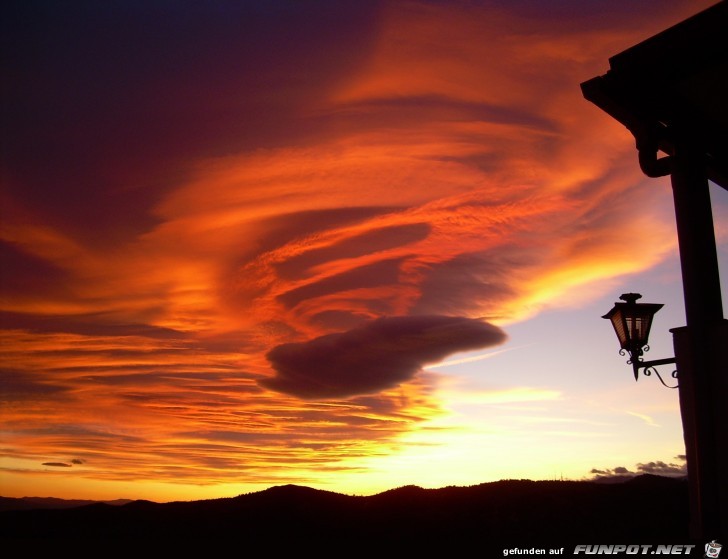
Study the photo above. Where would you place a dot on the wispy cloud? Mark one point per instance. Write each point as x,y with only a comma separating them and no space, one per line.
240,263
644,417
513,395
471,359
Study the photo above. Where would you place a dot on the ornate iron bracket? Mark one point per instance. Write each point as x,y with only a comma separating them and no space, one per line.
650,366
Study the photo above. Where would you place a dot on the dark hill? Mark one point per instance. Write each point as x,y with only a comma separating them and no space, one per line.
29,503
514,513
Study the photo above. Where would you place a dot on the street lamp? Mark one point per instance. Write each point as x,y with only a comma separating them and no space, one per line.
632,322
669,91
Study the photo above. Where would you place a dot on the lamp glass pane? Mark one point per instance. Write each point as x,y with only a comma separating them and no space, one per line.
618,321
638,326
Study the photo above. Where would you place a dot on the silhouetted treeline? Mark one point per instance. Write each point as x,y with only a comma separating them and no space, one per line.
647,509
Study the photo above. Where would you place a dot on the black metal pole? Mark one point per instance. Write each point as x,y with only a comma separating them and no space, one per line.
698,361
696,237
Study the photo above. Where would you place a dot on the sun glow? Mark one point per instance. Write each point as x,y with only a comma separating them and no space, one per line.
255,266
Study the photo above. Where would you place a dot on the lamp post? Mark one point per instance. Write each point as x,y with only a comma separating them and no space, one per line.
632,322
669,91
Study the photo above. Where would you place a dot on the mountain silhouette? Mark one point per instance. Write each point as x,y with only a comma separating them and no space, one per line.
29,503
646,509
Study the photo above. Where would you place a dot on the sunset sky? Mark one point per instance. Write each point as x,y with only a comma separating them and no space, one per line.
347,245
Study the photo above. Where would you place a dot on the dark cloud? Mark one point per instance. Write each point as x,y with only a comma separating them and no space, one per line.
657,468
611,475
452,285
374,357
92,437
78,461
90,324
57,464
370,242
385,272
338,320
660,468
16,384
279,230
30,274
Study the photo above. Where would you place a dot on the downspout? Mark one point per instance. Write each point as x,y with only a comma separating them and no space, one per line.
648,144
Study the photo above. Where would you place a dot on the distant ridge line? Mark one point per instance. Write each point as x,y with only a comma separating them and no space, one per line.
643,509
32,503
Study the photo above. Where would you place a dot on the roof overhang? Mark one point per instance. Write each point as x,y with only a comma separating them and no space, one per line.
674,87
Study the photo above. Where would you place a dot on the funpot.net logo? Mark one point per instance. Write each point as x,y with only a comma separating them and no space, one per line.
645,549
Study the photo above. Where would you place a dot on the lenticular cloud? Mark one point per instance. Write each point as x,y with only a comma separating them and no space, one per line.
374,357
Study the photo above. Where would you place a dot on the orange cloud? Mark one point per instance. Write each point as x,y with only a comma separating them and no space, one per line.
452,171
